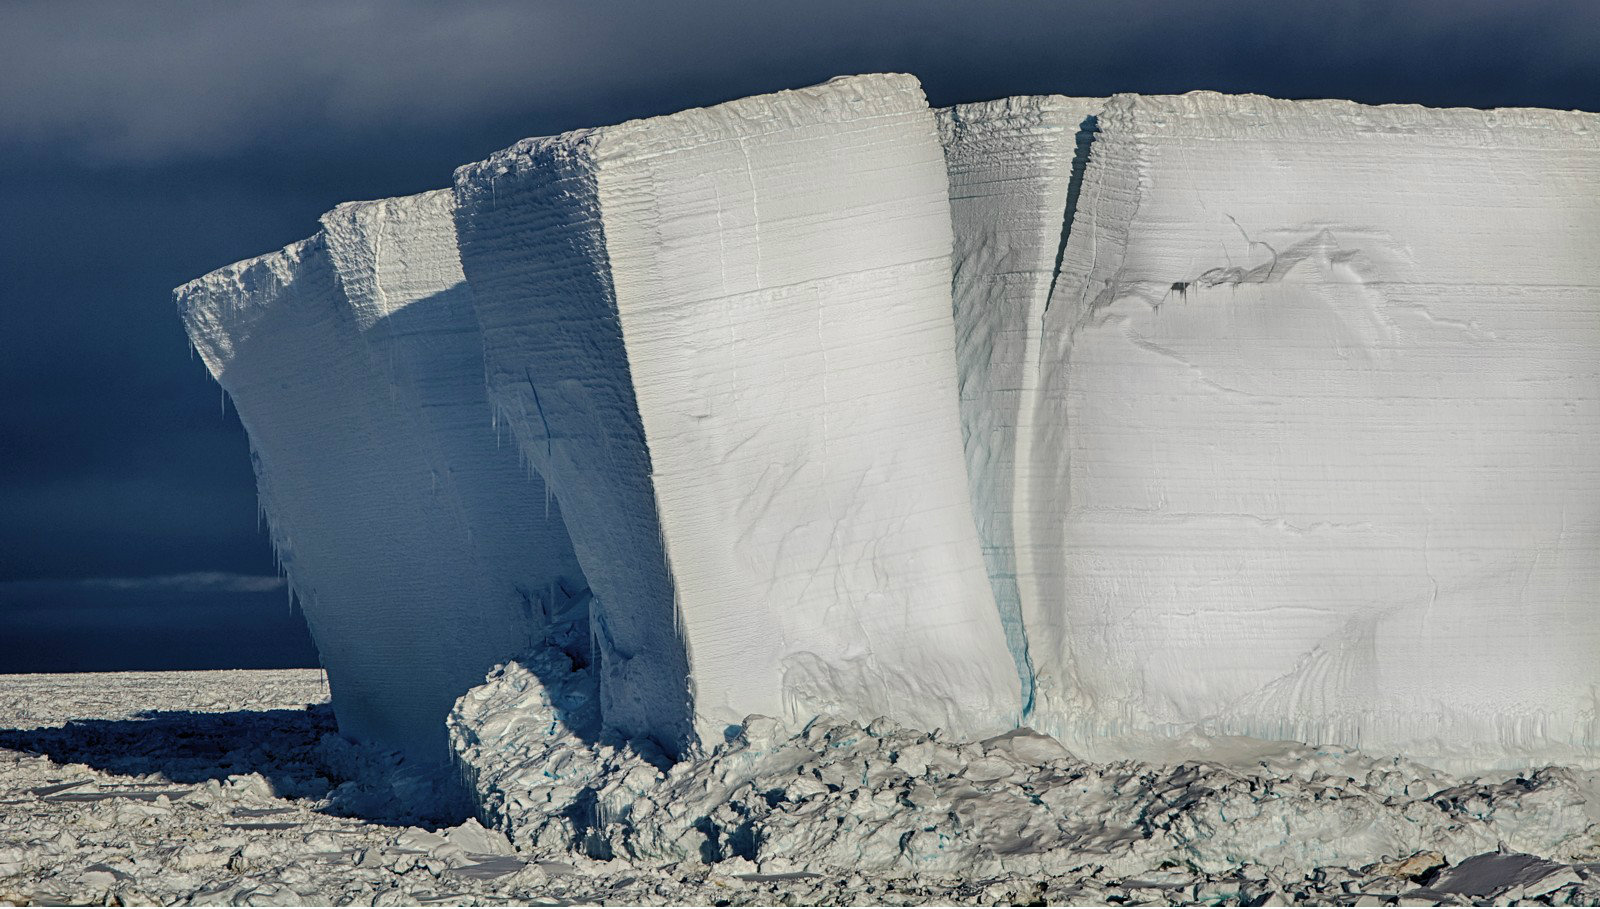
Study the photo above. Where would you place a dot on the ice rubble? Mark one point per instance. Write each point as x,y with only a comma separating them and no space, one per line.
422,552
1276,421
883,799
229,788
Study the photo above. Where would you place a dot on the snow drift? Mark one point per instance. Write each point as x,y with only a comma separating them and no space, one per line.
1197,414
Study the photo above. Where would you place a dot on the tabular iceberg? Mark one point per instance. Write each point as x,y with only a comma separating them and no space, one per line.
1123,418
1308,412
724,338
422,551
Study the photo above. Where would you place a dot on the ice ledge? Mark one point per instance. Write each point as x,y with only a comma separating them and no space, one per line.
1207,114
743,119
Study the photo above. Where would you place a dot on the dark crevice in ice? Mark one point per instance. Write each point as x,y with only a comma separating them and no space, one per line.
1080,162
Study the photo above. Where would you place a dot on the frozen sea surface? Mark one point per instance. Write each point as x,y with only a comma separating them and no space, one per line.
233,788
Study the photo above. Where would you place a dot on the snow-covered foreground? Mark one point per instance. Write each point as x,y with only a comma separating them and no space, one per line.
215,788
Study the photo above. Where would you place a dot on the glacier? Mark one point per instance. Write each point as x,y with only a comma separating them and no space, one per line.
1127,420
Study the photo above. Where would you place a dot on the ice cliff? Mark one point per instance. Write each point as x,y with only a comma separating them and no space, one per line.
422,552
724,338
1296,438
1126,419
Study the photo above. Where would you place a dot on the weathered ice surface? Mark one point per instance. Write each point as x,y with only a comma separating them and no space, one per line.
1016,167
724,337
1311,453
421,552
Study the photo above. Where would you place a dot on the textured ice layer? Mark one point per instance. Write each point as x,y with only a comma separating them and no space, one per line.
724,337
401,275
421,550
1309,453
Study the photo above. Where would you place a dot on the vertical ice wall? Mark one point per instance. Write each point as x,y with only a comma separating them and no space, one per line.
401,274
1314,443
1016,167
724,336
405,532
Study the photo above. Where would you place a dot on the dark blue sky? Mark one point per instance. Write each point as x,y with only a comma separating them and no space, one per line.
144,144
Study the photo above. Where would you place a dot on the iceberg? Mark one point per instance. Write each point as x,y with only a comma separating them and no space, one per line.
1016,170
1137,421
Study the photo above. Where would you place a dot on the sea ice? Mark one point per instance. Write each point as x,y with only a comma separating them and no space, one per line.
231,788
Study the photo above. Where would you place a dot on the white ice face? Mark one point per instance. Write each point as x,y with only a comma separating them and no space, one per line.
420,549
724,337
1305,445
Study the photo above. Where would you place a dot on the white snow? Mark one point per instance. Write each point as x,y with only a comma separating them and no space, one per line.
724,337
421,552
1308,449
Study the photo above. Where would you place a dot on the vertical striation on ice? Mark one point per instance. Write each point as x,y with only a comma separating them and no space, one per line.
724,337
420,551
1313,442
1015,168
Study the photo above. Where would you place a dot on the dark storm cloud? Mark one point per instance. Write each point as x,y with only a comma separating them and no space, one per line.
144,144
194,582
194,621
143,82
